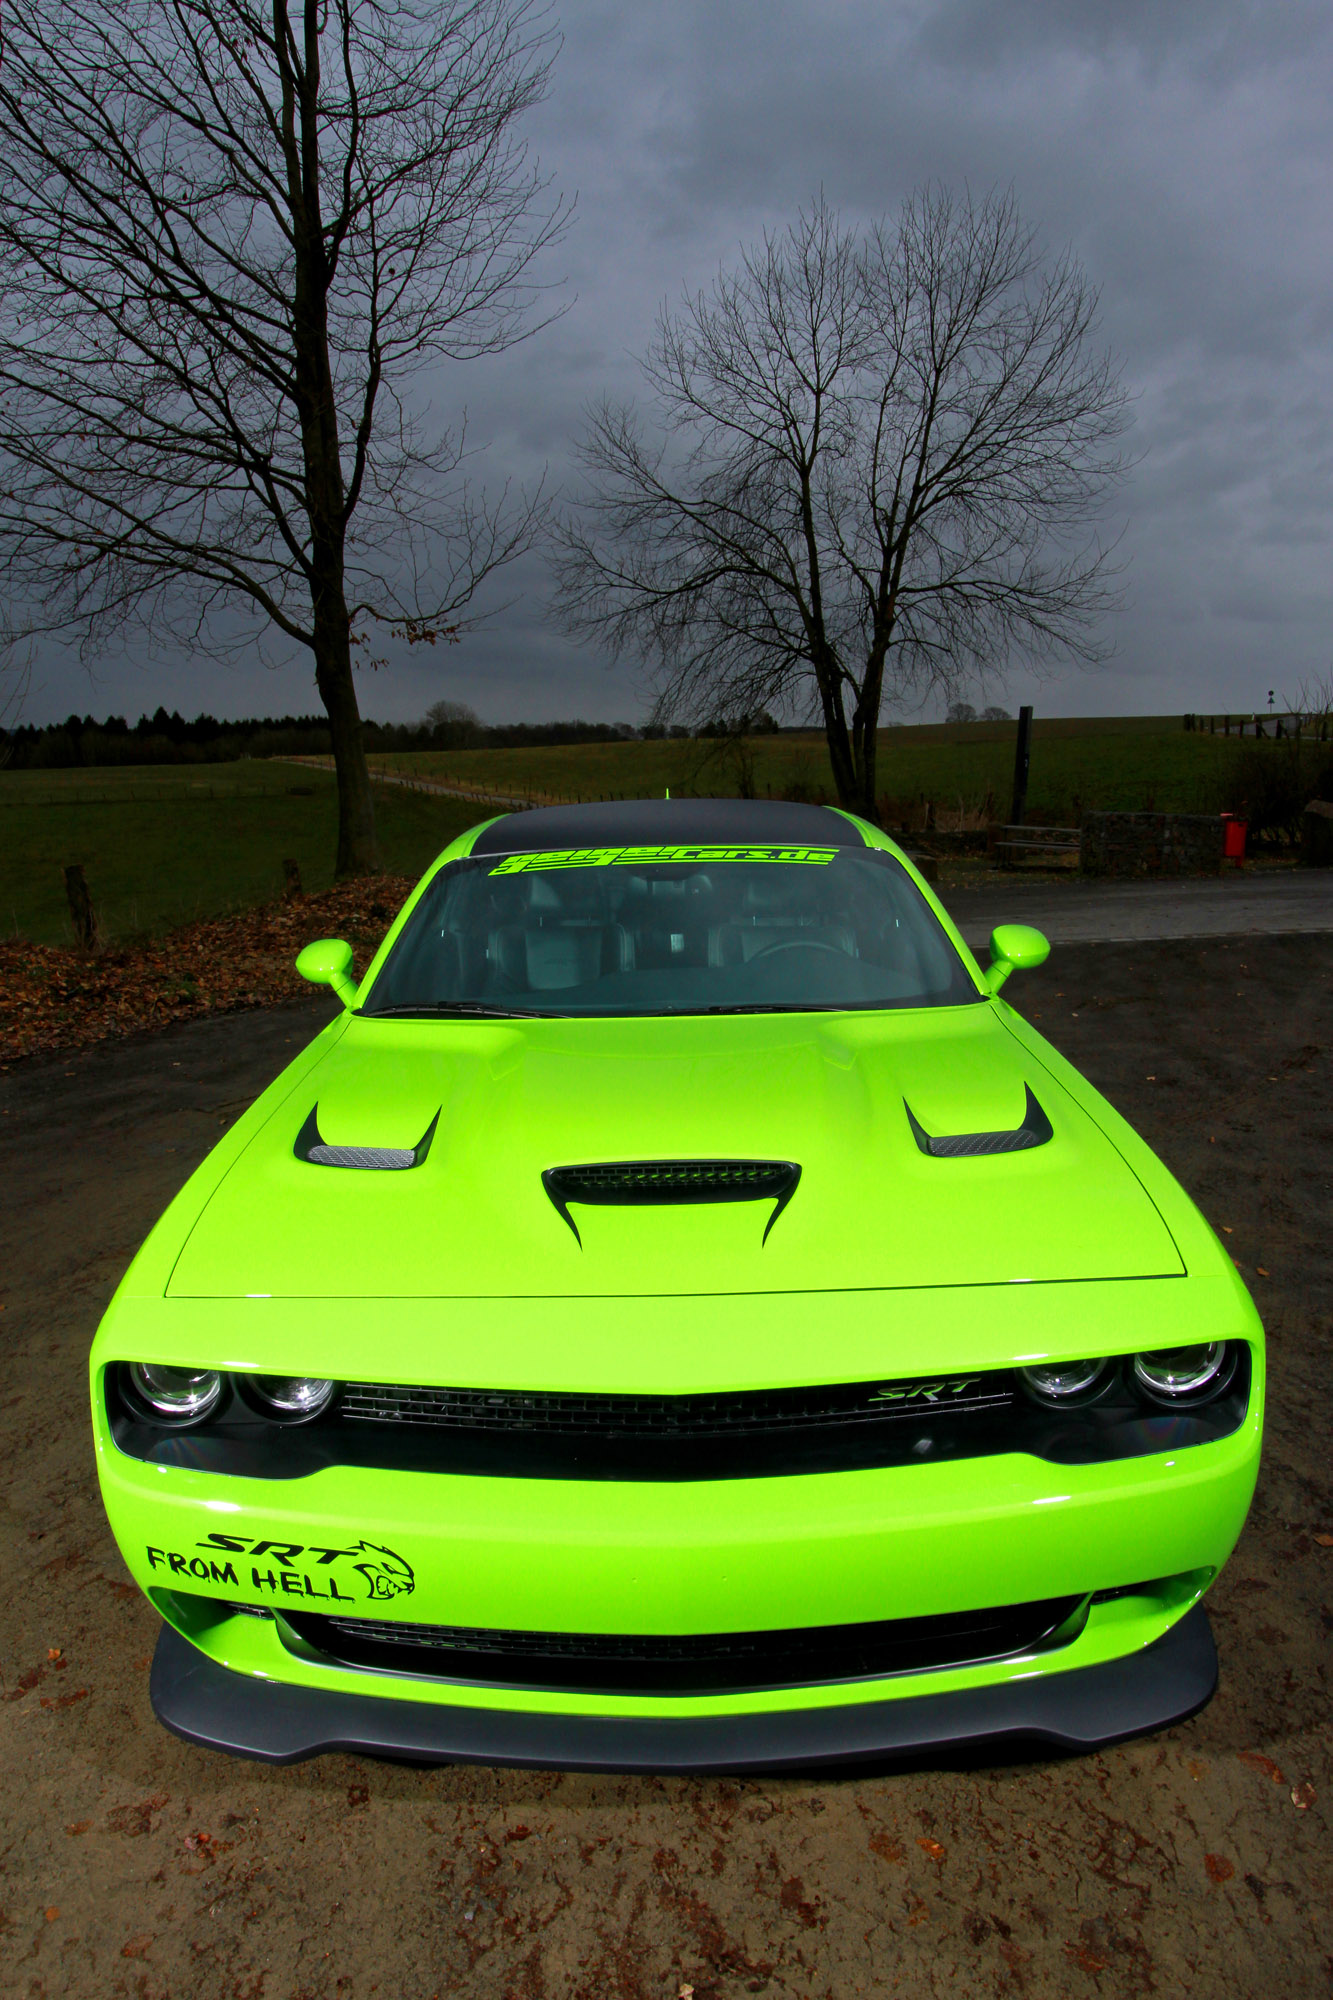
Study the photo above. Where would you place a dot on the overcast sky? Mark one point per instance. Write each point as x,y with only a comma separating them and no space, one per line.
1182,148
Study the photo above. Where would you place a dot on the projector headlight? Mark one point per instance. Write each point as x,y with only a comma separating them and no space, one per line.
1172,1376
287,1399
1064,1385
173,1395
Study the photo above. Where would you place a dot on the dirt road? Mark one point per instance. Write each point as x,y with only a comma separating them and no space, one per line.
1198,1862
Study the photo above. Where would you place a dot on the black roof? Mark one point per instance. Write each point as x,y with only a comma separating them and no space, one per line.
666,822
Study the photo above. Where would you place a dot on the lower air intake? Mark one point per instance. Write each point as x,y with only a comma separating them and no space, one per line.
707,1663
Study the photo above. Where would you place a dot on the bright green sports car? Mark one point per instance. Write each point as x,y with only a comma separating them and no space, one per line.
678,1316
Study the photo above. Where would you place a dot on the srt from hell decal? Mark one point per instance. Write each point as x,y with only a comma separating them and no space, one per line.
290,1569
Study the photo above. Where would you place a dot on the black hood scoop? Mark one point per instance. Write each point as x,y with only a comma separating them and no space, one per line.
661,1183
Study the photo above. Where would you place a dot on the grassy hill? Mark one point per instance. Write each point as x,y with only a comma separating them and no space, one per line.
1135,762
165,844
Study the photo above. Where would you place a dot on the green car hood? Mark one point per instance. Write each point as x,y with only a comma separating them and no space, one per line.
826,1091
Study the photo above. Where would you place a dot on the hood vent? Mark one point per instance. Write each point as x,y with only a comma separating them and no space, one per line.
373,1159
658,1183
1034,1131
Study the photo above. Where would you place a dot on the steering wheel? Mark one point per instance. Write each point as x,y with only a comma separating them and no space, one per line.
800,944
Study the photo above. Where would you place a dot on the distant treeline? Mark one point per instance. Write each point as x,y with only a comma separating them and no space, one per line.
169,739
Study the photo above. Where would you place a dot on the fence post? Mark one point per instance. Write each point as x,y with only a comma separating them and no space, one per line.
1022,758
82,913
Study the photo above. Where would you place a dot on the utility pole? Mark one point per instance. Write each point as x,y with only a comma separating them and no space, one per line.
1022,757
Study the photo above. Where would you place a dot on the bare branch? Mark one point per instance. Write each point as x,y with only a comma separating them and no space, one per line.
232,237
879,460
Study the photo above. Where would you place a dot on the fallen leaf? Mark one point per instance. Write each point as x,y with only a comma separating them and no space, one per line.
58,999
1262,1273
1219,1868
136,1947
1258,1762
1325,1541
1227,1230
55,1652
932,1848
1303,1796
52,1913
78,1826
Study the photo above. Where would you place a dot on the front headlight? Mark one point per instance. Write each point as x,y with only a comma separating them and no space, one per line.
1172,1376
174,1395
287,1399
1063,1385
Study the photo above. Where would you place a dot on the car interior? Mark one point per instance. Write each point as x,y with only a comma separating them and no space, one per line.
664,935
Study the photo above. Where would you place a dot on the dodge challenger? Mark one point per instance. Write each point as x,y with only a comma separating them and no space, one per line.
677,1316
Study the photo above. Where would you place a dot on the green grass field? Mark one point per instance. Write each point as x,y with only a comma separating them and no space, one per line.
161,845
1135,763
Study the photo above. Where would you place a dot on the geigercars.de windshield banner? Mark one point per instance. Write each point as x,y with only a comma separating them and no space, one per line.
640,857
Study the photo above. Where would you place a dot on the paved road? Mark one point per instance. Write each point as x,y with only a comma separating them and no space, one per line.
1078,912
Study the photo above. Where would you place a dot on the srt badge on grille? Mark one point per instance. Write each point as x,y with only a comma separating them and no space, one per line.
926,1392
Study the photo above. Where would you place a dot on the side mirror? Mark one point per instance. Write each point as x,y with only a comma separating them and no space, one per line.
1014,948
328,962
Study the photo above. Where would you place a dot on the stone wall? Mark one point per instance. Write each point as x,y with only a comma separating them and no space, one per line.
1317,834
1145,843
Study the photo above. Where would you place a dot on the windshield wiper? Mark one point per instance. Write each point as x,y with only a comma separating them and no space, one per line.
766,1007
434,1009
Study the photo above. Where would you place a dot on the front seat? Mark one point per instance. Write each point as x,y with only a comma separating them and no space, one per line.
558,955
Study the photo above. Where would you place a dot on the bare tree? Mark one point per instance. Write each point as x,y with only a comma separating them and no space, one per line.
15,681
875,467
232,237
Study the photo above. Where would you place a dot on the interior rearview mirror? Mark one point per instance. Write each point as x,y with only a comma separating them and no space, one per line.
328,962
1014,948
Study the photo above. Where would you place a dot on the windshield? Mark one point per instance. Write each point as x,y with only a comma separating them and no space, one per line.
683,930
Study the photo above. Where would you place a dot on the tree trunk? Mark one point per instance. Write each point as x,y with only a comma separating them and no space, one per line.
358,847
325,497
865,744
842,757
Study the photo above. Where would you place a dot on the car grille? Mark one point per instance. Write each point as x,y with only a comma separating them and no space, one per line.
708,1663
733,1414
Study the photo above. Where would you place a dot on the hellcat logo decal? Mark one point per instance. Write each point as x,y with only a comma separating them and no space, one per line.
387,1574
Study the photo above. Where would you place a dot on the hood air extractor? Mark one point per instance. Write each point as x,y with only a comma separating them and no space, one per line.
659,1183
369,1159
1034,1131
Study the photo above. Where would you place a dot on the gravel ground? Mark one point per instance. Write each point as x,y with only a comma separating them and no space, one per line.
1196,1862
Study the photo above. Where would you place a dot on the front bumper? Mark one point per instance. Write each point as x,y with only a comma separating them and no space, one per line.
1078,1710
744,1555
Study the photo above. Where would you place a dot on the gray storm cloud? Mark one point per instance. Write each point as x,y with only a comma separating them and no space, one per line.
1184,152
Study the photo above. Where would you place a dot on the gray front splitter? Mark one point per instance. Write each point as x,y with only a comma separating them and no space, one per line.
1077,1710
